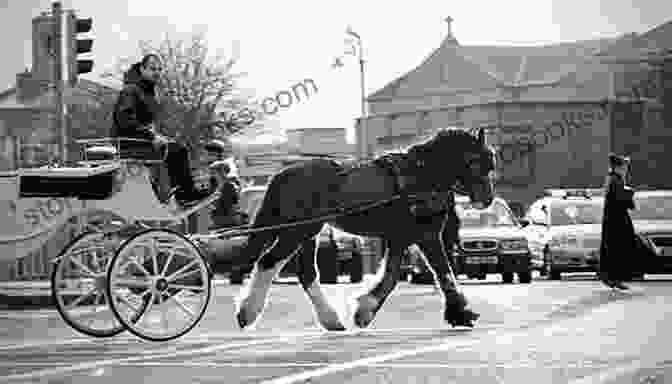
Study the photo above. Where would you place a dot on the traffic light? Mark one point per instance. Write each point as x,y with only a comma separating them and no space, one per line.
77,47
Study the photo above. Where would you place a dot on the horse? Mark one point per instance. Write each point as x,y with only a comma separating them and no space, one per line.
449,160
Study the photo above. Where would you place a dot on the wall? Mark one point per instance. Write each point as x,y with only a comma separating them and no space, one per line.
578,140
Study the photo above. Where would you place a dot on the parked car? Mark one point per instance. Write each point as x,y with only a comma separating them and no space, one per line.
652,219
563,229
491,242
224,254
569,238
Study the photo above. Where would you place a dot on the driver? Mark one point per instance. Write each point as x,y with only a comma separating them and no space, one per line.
134,117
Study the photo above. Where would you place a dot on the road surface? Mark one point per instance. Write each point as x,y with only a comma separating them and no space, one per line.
571,331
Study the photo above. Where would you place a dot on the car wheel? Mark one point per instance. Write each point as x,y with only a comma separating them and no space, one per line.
525,277
554,274
638,277
507,277
356,268
237,278
422,278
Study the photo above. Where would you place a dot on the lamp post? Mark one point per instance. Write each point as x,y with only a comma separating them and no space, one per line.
360,56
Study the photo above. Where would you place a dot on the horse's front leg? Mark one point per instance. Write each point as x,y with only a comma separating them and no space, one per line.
456,312
369,303
309,278
252,299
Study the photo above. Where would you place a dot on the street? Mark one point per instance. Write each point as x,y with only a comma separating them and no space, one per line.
570,331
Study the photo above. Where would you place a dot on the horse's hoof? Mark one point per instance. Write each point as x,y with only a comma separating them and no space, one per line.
330,321
246,317
334,327
366,311
464,318
242,320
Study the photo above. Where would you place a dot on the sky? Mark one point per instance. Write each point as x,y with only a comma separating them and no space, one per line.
280,43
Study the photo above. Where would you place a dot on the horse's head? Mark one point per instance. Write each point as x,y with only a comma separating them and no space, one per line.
458,160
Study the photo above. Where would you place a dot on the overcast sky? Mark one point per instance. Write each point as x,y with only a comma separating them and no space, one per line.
282,42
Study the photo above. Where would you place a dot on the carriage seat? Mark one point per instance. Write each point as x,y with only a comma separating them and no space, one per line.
101,153
87,183
122,148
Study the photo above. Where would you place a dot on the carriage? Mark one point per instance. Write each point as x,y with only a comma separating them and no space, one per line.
118,273
121,274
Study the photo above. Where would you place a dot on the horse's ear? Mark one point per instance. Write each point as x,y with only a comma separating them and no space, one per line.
481,136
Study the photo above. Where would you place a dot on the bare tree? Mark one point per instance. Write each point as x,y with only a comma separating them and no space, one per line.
199,94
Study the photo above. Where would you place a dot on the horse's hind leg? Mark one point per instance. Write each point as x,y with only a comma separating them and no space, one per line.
369,303
309,277
456,312
252,299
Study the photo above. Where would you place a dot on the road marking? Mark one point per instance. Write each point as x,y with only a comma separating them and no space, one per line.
43,343
102,363
375,365
27,315
610,374
368,361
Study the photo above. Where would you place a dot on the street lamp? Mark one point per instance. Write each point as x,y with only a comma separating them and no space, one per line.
360,54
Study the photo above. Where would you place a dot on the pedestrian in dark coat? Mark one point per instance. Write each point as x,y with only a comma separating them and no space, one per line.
619,242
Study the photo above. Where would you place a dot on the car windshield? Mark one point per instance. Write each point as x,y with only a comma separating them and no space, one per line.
652,208
495,215
576,212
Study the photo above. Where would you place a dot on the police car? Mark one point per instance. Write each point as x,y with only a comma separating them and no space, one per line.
652,219
563,229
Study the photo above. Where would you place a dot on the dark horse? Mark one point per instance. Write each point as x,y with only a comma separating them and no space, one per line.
450,159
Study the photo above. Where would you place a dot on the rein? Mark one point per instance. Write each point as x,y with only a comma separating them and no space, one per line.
341,212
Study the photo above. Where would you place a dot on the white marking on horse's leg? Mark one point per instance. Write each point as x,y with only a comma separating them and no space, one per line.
252,299
325,312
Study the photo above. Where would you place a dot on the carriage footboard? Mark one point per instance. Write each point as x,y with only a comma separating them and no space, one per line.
86,183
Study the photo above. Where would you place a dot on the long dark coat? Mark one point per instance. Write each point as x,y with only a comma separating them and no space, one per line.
619,245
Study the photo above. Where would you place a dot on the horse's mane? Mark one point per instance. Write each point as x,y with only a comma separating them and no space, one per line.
461,138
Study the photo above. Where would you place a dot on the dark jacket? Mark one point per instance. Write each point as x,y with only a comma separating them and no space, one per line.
619,245
136,107
224,210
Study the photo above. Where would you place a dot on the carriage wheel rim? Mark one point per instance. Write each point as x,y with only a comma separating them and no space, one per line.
97,318
136,272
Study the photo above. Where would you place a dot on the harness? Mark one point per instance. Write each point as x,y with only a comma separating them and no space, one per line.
423,204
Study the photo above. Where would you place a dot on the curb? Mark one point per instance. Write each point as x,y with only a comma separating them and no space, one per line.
17,301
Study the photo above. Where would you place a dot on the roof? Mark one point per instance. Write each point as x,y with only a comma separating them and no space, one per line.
491,66
657,39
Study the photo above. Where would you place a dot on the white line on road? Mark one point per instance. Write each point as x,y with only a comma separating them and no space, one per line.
610,374
368,361
102,363
206,364
44,343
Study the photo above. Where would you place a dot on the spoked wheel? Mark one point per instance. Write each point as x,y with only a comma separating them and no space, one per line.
158,285
79,284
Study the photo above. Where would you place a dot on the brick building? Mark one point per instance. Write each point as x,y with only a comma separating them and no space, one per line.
562,97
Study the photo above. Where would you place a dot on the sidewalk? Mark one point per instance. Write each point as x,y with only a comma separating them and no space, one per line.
17,295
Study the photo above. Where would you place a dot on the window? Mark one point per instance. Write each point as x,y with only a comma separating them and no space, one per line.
577,212
496,215
536,214
652,208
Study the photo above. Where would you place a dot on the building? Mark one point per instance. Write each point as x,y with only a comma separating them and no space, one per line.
260,162
549,110
28,137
